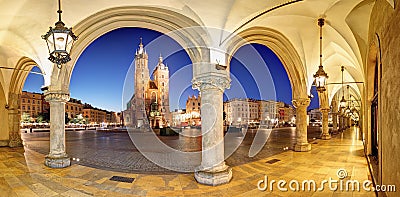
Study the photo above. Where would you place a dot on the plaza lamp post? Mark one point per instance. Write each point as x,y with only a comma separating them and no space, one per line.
59,41
320,76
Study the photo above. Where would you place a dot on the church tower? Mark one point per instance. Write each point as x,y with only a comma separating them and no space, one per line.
161,79
142,79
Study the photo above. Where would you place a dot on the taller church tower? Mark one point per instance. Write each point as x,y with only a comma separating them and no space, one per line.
142,79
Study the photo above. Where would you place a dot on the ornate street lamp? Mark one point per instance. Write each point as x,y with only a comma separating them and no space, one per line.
348,111
59,41
320,76
343,101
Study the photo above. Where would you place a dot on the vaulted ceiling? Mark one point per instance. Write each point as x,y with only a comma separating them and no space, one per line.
345,33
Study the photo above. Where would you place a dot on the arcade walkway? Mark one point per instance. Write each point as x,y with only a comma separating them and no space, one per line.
23,174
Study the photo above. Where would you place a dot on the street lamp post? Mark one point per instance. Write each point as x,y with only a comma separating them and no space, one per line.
59,41
320,76
320,82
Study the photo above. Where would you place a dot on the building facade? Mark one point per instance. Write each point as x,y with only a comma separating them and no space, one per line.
94,115
257,112
193,110
73,108
31,104
241,112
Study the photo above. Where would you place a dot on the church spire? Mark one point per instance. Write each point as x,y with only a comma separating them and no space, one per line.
140,46
160,59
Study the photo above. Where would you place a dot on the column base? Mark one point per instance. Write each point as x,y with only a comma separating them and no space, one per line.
326,136
302,147
215,176
4,143
57,162
15,143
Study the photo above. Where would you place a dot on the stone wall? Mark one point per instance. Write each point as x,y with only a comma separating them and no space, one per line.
385,22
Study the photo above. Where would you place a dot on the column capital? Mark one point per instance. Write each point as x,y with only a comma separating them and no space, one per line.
56,96
301,102
211,82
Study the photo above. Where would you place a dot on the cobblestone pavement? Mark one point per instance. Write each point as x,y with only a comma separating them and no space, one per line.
22,173
116,151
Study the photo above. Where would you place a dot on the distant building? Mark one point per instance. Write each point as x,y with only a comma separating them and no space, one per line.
193,106
180,118
268,112
94,115
286,114
31,104
241,112
73,108
315,115
257,112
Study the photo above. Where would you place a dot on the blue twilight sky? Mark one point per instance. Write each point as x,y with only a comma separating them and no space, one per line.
103,75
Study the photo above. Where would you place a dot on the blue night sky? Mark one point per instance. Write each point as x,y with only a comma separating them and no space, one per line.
103,75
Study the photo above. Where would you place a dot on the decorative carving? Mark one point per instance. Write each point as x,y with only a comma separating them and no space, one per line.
211,82
56,96
302,102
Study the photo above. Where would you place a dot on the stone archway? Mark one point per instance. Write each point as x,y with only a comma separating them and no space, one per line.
282,47
152,18
293,65
18,77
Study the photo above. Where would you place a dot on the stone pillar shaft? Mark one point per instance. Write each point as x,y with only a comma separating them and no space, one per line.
57,131
335,122
212,170
57,157
302,144
212,128
14,117
325,127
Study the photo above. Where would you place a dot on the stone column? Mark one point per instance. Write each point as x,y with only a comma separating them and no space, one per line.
302,144
335,122
57,157
14,118
340,122
325,127
348,122
213,170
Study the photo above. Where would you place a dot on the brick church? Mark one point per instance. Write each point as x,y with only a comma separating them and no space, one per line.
149,106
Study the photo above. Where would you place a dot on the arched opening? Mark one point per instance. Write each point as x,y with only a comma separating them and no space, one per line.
259,102
152,18
106,74
25,109
4,134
